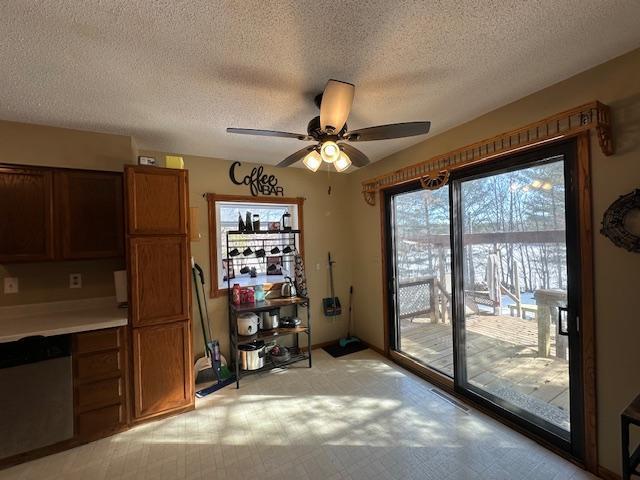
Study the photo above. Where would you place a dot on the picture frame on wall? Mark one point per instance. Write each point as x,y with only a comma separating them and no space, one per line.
228,271
274,265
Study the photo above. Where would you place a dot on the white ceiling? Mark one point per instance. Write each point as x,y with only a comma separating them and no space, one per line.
174,74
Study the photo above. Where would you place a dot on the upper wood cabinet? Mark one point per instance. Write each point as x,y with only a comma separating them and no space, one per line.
157,200
26,214
89,210
60,214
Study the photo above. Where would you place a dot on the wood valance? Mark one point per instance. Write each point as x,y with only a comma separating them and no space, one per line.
434,173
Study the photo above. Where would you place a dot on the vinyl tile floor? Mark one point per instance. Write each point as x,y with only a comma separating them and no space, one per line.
350,418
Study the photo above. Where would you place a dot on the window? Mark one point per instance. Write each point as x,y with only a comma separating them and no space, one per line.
224,211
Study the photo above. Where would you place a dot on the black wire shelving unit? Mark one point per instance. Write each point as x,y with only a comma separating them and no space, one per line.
266,240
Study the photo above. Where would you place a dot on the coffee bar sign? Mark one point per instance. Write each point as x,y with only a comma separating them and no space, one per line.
259,182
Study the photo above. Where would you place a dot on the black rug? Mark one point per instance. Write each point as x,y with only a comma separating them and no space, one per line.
336,350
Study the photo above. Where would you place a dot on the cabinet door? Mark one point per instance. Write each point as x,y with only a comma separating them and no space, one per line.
89,211
157,200
26,214
162,373
160,282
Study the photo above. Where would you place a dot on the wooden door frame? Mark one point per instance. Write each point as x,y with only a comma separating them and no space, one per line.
587,320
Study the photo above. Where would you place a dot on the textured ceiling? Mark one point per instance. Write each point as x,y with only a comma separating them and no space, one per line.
175,73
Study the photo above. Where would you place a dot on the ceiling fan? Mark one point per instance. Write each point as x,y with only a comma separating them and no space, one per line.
329,132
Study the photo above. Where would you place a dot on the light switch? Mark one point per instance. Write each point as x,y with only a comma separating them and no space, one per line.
10,284
75,280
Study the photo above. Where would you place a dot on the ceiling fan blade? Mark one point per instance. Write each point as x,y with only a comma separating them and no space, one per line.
269,133
336,105
386,132
294,157
358,158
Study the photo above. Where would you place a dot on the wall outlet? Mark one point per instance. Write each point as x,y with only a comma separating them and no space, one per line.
10,285
75,280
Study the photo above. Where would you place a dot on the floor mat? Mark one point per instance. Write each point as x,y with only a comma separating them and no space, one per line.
336,350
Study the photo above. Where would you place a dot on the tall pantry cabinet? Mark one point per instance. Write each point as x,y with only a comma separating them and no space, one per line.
160,290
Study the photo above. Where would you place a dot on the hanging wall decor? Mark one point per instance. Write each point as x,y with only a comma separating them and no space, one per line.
433,173
616,222
258,181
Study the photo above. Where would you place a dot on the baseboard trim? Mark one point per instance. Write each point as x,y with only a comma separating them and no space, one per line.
607,474
374,348
316,346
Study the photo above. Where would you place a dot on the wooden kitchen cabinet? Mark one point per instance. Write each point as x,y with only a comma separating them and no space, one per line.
60,214
157,200
160,291
89,214
26,215
160,280
100,383
162,377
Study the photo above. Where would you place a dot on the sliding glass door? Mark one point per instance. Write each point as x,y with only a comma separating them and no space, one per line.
493,301
421,283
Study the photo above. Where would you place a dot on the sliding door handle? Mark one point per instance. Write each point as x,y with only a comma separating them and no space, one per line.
561,318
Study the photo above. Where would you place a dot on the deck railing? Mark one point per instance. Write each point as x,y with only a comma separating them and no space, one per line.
424,296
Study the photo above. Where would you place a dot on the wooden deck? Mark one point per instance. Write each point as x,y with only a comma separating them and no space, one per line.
502,358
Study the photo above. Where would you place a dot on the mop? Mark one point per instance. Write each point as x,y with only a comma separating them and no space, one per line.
209,367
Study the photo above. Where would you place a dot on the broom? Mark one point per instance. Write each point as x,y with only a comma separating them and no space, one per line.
349,339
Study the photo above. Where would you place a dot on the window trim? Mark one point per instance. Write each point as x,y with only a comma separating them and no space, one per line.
212,198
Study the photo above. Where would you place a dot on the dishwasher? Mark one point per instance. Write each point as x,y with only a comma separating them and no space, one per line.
36,393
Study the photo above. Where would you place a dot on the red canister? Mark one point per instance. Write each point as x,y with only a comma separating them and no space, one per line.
251,295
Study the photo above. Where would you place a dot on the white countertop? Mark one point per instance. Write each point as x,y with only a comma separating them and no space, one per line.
59,318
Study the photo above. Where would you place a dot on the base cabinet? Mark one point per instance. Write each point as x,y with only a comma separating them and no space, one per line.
161,368
100,383
100,422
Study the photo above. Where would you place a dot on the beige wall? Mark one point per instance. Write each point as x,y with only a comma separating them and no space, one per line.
325,229
617,272
49,146
49,281
61,147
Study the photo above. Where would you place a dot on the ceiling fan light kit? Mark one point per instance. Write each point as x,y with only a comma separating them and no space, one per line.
329,151
330,127
312,161
342,163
